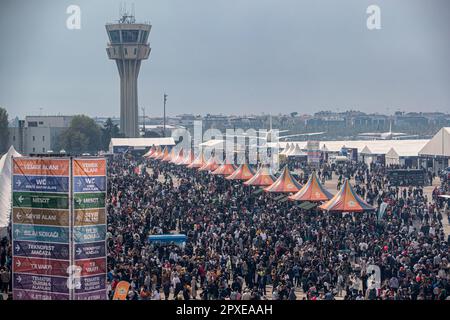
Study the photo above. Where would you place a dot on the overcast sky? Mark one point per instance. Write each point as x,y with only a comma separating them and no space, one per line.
230,56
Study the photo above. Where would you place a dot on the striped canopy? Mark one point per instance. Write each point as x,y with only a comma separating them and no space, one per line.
244,172
188,160
198,162
163,154
179,157
346,200
225,169
285,183
211,165
150,152
263,177
312,191
169,156
156,153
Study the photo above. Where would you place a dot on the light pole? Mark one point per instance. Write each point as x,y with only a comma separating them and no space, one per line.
143,118
164,127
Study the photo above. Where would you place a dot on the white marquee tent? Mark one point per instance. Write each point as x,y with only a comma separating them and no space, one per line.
139,143
439,145
5,188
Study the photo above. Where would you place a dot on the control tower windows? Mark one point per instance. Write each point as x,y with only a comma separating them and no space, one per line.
130,35
144,35
114,36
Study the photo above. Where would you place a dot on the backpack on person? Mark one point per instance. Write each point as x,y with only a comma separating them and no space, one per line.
372,294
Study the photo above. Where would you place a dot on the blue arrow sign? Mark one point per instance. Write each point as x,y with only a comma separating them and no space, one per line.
40,183
26,232
89,184
89,233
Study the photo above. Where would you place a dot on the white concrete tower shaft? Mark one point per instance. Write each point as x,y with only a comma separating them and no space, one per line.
128,46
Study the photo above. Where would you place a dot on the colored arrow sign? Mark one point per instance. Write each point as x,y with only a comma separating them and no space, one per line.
90,250
89,200
41,200
41,216
89,184
90,216
40,266
38,233
41,250
40,183
19,294
87,234
40,283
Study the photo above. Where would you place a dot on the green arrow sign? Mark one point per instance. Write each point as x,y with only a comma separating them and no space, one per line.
40,200
89,200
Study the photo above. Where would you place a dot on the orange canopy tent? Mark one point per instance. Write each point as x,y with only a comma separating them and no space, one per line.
188,160
346,200
285,183
198,162
163,154
169,156
211,165
150,152
312,191
225,169
156,153
244,172
179,157
263,177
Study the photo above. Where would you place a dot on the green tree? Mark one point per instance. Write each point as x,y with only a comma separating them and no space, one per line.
110,130
82,136
4,132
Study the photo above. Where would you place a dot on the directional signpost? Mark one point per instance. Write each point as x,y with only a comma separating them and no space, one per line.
59,228
89,227
41,228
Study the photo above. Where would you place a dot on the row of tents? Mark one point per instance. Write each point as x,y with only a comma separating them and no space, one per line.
292,150
346,200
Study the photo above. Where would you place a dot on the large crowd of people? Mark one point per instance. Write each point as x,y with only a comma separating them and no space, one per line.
246,245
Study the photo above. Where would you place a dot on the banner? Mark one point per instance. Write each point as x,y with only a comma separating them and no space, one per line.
59,228
89,227
40,228
121,290
313,152
382,210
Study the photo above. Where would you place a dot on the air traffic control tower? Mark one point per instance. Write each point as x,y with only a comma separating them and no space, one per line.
128,46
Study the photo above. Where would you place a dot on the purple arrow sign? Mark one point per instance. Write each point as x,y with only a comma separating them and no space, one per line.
93,283
90,250
36,295
40,283
97,295
41,250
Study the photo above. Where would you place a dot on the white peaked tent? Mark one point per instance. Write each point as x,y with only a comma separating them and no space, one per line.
392,157
439,145
296,152
286,149
5,188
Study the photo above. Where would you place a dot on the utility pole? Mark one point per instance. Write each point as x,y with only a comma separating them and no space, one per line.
143,118
165,100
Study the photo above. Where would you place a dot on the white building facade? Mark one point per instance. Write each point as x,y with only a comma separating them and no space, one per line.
38,134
